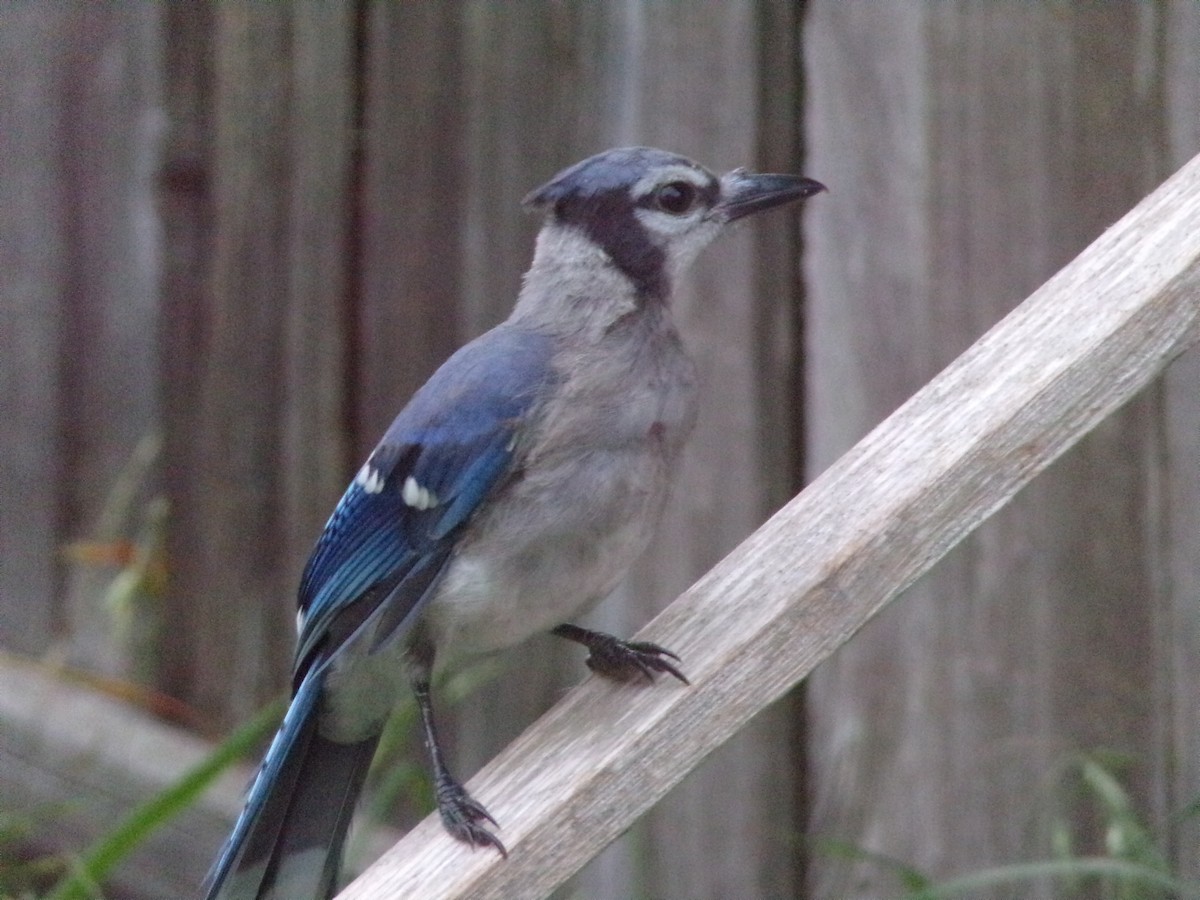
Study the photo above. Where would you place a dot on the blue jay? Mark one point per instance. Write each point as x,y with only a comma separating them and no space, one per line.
514,491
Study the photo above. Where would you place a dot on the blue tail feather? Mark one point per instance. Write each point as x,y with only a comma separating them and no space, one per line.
287,843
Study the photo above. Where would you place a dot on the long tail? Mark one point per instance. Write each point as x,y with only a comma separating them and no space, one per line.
287,843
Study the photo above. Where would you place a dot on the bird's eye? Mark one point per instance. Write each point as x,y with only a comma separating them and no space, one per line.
677,197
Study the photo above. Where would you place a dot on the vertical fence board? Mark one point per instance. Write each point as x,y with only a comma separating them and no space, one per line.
259,462
185,208
322,280
32,262
407,317
520,83
527,81
545,88
405,309
1175,475
109,157
973,151
233,599
80,307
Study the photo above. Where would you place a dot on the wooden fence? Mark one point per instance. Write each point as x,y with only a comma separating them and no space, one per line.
251,230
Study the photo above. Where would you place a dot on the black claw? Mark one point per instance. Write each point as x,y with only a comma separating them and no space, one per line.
622,660
654,648
463,816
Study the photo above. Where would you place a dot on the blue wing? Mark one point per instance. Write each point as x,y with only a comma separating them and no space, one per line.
444,454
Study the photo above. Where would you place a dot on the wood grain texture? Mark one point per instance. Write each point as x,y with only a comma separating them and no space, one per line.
973,150
185,211
1080,347
108,155
262,212
79,306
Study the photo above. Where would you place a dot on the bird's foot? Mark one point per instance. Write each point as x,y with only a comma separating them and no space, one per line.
622,660
463,816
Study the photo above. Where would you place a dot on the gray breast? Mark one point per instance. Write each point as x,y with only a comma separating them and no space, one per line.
584,501
635,387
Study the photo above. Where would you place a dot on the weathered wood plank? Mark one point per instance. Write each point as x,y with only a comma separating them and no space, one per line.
403,309
261,178
1083,345
185,210
406,313
77,758
80,270
513,138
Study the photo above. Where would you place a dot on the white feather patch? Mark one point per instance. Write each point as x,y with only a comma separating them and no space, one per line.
370,479
418,497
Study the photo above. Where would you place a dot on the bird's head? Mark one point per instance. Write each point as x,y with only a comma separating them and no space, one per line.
652,211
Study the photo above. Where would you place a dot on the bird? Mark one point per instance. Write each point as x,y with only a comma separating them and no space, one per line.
512,492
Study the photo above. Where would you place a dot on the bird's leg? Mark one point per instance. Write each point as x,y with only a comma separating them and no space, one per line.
621,660
461,814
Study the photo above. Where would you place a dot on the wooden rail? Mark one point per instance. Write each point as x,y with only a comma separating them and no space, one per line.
799,587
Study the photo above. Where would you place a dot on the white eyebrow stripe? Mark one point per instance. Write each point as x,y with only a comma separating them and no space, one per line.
667,174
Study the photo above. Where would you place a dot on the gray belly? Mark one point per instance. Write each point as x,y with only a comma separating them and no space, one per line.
554,544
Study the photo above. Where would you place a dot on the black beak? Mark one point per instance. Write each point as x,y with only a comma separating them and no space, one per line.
743,193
